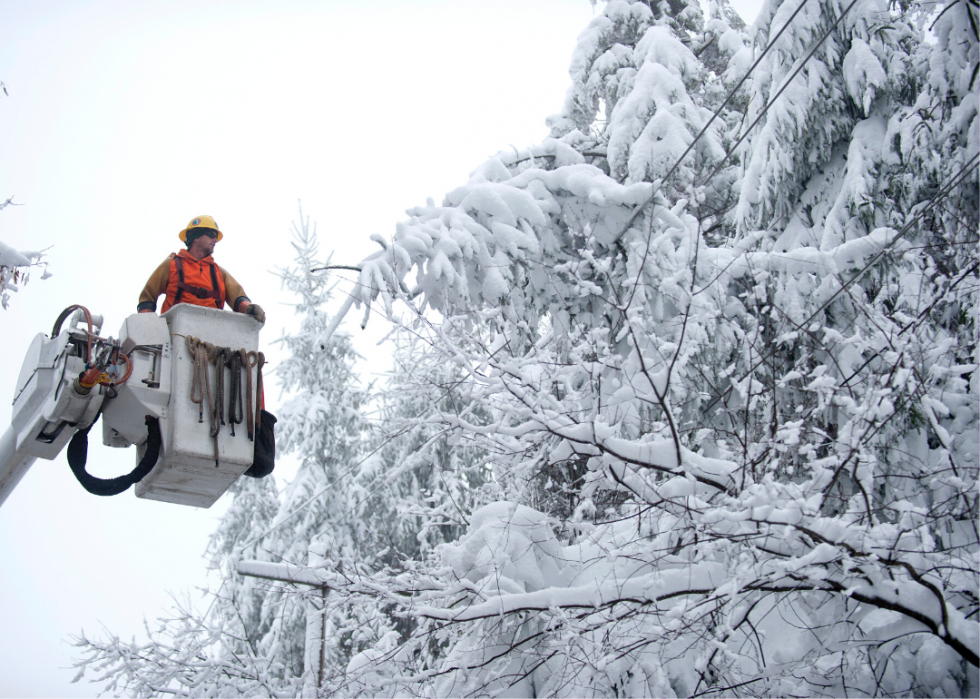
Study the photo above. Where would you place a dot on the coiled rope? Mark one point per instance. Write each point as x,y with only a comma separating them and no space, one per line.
203,353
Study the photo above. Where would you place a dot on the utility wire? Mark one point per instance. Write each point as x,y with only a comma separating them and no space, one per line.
344,310
936,199
716,114
764,111
772,100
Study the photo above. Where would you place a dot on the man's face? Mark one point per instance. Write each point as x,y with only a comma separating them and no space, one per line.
203,246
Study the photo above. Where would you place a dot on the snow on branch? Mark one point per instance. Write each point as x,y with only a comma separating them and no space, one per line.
728,446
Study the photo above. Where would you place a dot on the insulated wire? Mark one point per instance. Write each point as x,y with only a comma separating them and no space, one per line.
765,110
936,199
933,202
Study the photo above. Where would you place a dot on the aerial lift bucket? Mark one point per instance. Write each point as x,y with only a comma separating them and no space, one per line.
199,458
188,471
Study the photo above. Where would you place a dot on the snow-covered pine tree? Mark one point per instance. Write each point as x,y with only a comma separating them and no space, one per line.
323,424
431,478
252,639
413,491
414,494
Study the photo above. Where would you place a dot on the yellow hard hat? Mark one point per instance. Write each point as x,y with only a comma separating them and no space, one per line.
200,222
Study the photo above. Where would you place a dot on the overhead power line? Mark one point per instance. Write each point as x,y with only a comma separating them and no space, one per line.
717,113
918,215
772,100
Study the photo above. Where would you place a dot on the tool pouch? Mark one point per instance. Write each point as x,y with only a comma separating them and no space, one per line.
264,459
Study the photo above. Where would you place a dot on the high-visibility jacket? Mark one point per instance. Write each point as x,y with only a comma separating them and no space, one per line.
185,279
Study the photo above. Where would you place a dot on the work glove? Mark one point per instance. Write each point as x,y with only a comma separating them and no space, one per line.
255,310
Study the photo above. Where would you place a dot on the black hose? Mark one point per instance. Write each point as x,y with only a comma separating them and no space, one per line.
88,318
61,319
78,455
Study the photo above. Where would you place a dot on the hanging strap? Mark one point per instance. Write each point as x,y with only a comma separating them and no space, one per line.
235,389
259,392
213,293
201,353
218,418
78,455
248,363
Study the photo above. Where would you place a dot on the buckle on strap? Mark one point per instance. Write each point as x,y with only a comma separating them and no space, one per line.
198,291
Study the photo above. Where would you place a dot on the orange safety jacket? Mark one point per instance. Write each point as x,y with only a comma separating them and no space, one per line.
186,279
191,281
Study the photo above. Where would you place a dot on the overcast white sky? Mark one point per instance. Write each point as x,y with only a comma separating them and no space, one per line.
124,120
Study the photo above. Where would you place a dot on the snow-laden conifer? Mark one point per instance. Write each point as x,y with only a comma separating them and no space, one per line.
251,640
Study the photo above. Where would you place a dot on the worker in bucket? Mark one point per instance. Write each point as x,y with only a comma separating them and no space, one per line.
192,276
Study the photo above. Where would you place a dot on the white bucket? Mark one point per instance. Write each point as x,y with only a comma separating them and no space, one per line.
186,473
